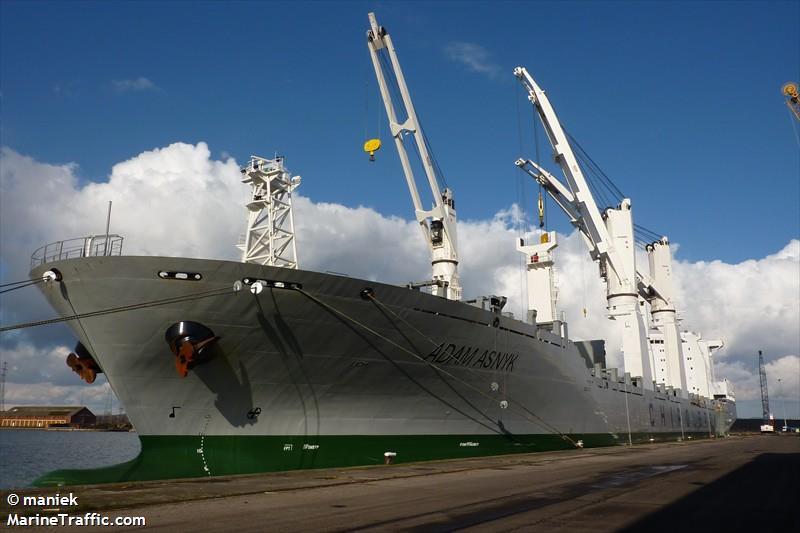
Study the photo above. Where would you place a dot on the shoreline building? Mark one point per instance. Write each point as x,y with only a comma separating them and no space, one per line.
43,417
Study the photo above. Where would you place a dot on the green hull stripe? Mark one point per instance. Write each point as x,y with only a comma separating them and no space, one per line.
169,457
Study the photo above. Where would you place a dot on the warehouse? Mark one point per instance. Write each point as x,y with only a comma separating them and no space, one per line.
47,416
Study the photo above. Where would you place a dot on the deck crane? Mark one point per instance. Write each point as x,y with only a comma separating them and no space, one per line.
658,291
438,224
609,237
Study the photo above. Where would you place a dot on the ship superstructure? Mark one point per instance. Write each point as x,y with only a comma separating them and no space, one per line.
234,367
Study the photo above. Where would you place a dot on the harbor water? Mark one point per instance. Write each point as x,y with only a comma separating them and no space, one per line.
26,454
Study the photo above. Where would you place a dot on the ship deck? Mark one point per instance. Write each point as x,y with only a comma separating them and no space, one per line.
731,484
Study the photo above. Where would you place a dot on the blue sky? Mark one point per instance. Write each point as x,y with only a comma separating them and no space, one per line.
678,102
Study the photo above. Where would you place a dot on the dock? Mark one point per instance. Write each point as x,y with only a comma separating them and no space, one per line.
742,483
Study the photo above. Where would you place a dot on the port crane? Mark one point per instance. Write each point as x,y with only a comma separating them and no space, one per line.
609,237
767,425
438,224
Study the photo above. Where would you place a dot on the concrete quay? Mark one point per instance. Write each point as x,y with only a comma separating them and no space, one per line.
735,484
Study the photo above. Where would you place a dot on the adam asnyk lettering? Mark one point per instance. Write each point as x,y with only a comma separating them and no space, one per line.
472,357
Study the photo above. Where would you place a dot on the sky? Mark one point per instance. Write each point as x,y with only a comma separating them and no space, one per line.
146,103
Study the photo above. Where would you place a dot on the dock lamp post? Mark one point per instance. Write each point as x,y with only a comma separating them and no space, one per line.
783,401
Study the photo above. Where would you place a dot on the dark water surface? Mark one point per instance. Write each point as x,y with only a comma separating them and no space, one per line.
26,454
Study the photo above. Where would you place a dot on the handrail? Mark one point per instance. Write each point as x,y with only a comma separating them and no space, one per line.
89,246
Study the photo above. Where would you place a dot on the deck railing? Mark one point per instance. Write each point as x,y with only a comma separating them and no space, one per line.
90,246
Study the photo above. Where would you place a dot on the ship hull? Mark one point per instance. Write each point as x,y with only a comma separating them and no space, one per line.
323,375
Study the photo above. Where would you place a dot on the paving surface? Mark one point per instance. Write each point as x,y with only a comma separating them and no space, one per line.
733,484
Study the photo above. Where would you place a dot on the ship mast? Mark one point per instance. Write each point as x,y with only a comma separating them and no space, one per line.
438,224
270,224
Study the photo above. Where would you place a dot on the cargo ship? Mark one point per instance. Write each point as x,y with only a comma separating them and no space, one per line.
229,367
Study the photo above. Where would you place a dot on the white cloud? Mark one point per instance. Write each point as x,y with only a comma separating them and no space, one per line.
179,201
30,364
786,369
39,376
135,84
784,395
359,242
174,200
753,305
95,397
475,57
169,201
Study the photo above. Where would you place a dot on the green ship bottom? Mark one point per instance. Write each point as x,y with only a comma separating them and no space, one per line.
166,457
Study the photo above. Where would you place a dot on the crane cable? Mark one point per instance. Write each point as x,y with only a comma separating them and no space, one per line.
394,88
366,99
794,125
521,219
367,111
583,288
644,236
541,199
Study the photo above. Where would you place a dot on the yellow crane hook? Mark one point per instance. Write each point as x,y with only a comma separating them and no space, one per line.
792,99
372,146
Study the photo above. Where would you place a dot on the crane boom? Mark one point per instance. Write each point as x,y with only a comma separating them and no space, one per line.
583,201
608,235
563,197
438,224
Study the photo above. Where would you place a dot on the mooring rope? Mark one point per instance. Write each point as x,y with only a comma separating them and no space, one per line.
21,284
447,403
546,425
221,291
431,364
129,307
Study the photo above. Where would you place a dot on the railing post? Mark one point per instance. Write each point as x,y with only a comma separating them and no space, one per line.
108,225
88,246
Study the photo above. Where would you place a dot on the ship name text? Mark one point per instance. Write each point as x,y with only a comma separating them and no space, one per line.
451,354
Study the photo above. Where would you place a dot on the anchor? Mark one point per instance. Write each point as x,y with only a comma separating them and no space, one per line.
189,355
82,363
188,342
